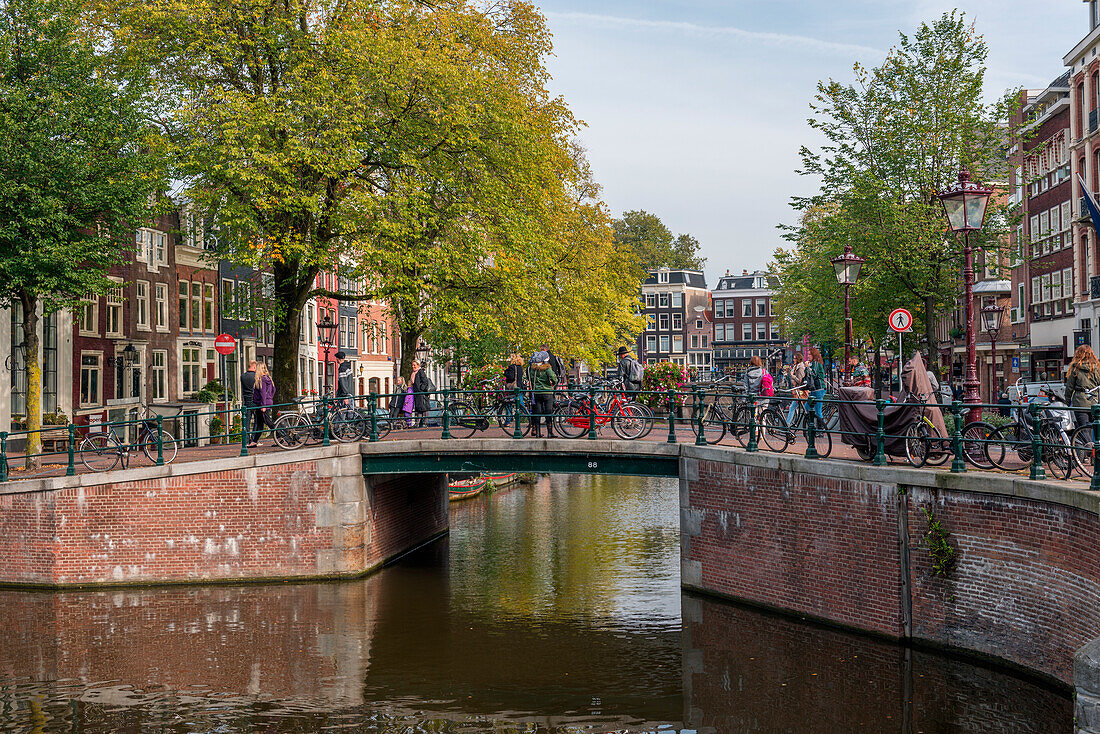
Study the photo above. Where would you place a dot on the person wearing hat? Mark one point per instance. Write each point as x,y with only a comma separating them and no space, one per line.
345,380
543,380
630,370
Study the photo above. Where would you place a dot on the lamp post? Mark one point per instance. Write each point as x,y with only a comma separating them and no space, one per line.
965,204
326,330
847,271
991,319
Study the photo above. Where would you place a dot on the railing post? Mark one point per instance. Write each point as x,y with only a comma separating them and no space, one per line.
160,435
700,439
811,428
3,456
591,413
753,443
880,434
70,470
517,432
373,403
244,430
1094,485
1038,471
325,419
446,414
671,416
958,464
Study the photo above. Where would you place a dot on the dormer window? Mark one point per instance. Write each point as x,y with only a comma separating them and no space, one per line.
662,276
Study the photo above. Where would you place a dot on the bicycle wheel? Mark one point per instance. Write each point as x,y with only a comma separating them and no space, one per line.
916,444
776,436
346,425
627,423
463,419
1057,453
100,451
385,425
647,417
823,440
1081,440
739,426
714,428
571,420
291,430
1008,449
149,447
975,440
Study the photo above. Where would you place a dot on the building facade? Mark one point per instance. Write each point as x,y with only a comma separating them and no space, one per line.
674,302
744,326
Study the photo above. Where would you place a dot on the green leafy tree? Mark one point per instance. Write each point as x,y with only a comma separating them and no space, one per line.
78,165
653,244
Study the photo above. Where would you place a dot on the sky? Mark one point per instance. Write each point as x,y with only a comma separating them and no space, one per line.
695,110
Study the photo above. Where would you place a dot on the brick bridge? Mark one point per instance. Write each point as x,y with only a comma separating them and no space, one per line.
837,542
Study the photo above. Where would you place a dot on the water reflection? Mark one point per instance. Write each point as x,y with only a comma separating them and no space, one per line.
554,608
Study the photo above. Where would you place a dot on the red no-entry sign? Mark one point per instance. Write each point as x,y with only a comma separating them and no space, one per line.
225,344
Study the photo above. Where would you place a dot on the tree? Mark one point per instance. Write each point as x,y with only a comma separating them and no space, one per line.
653,244
77,169
893,141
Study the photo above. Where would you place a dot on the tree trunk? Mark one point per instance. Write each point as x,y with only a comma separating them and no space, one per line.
930,336
289,291
34,378
410,338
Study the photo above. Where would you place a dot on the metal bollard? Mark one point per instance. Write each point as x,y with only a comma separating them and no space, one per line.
373,403
517,432
160,437
446,413
3,456
244,431
1094,485
671,416
591,413
958,464
70,470
700,439
811,429
1038,471
880,434
325,420
753,445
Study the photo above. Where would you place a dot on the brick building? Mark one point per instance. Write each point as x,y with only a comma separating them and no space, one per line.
674,303
743,323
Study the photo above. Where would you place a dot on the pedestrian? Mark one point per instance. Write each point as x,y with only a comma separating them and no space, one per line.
421,388
630,370
513,377
860,376
397,401
263,395
754,376
798,385
556,364
345,380
933,381
1083,375
252,419
543,380
815,380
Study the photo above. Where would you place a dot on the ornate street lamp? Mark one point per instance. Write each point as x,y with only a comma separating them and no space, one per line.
991,320
847,271
965,204
326,333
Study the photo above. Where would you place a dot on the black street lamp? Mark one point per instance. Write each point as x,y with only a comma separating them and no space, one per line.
965,205
847,271
326,333
991,319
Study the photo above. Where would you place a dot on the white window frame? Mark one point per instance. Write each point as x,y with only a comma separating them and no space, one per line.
98,369
89,316
746,332
158,374
720,332
664,344
677,344
141,305
677,299
663,320
677,321
114,299
662,300
195,366
746,308
651,343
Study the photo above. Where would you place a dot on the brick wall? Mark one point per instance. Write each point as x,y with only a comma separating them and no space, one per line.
241,519
839,542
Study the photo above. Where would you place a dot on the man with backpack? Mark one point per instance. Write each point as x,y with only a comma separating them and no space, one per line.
630,370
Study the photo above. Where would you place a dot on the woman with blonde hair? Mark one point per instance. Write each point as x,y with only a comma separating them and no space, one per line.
1082,377
263,397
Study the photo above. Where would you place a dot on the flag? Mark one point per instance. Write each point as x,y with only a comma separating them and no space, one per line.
1090,204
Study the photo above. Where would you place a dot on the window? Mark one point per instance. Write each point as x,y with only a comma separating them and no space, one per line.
1066,215
663,300
775,332
382,337
761,332
161,247
353,334
705,341
662,277
664,343
761,307
719,309
677,299
650,322
746,332
1033,228
664,322
189,369
196,307
161,306
694,341
114,311
89,316
677,344
310,323
142,251
677,321
651,344
183,300
208,307
228,292
90,378
651,300
746,307
159,373
720,332
141,304
698,323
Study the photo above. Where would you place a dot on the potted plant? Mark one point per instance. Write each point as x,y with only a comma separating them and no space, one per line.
659,378
217,427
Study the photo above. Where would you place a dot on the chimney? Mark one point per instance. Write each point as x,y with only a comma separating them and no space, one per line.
727,271
744,272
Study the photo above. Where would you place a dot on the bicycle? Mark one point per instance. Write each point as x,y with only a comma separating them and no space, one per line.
628,419
1010,447
103,451
294,428
1081,441
778,434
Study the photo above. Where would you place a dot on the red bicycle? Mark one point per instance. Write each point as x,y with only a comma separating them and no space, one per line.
628,419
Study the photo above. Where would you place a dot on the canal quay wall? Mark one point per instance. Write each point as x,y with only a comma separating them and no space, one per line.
849,544
227,520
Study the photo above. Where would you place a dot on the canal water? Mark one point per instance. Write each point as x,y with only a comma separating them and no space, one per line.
550,608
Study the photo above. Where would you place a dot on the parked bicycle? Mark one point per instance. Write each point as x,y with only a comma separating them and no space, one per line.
1012,446
629,420
104,450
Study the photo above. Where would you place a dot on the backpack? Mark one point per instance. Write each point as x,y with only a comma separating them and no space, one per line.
634,371
813,382
767,388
